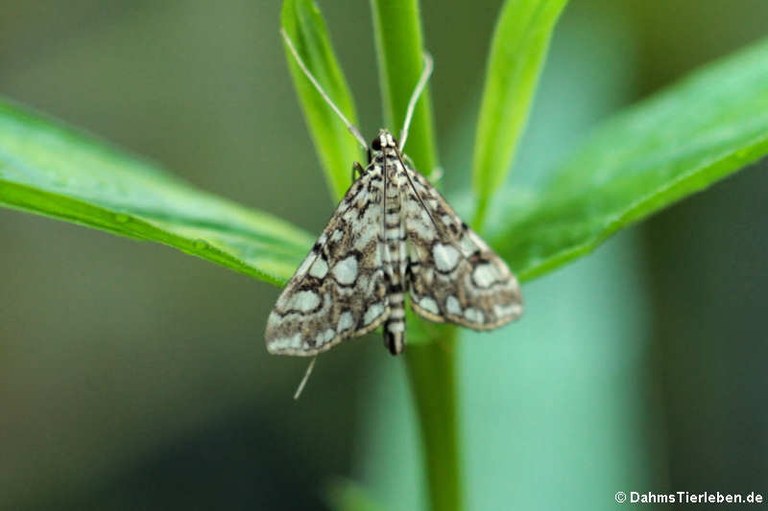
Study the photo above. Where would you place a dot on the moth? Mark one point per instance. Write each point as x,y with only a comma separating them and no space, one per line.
393,235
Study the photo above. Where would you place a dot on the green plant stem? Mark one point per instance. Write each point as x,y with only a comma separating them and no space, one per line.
400,48
432,377
430,356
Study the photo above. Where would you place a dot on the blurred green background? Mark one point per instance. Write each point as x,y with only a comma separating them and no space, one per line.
135,377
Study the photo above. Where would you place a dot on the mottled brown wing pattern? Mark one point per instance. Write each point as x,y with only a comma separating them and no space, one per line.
339,291
454,275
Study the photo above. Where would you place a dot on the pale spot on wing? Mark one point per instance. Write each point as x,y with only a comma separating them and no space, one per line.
423,228
504,311
319,269
453,306
484,275
373,312
337,235
324,337
305,264
473,315
286,343
303,301
273,320
345,271
470,243
345,321
446,257
429,305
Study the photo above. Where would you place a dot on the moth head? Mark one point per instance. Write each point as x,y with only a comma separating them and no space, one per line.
383,140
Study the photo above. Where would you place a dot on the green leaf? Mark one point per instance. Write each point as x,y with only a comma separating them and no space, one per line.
400,49
517,55
51,170
673,145
336,147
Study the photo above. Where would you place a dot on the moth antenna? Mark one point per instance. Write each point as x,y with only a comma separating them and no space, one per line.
418,196
420,86
304,69
304,380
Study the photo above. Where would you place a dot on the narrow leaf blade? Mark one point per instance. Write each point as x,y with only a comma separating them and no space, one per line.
336,147
518,50
675,144
54,171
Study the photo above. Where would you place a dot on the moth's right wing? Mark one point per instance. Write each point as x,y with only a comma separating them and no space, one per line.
454,275
339,290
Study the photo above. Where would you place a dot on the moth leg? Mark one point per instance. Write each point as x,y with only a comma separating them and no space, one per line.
357,171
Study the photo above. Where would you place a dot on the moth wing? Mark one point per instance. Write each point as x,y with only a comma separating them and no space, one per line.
454,275
339,290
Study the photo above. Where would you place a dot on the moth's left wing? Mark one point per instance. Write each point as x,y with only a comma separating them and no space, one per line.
454,275
339,291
